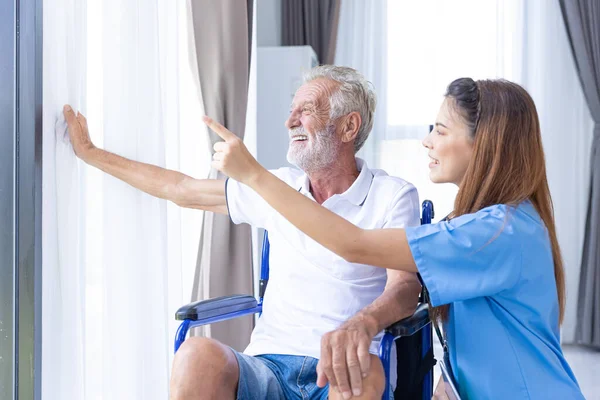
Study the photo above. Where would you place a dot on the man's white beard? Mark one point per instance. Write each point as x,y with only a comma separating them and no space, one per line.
317,155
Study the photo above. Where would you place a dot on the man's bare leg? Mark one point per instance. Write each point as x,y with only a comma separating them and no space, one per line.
204,369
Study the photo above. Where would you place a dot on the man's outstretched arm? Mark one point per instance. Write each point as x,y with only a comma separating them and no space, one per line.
183,190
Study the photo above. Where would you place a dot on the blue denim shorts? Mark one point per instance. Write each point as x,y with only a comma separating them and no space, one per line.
278,376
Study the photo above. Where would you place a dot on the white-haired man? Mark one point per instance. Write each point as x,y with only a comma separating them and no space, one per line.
318,333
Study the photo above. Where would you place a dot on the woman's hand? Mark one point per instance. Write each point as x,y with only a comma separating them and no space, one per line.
232,157
78,132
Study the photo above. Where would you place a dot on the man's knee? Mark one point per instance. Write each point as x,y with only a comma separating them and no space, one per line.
373,385
205,357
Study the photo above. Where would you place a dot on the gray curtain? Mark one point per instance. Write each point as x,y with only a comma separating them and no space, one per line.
582,20
313,23
222,33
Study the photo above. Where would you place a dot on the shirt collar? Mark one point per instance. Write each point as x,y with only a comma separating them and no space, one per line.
356,194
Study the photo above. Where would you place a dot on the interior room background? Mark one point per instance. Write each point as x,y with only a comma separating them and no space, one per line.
117,263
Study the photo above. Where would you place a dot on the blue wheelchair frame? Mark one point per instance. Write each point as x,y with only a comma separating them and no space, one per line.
229,307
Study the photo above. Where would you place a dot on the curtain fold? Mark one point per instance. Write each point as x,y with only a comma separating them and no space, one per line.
112,255
313,23
582,21
222,35
63,207
139,116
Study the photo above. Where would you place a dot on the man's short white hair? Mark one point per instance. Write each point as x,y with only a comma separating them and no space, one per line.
354,93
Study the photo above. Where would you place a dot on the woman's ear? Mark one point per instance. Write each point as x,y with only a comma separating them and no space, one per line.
350,126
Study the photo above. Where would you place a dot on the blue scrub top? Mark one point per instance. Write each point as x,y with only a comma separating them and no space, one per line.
495,269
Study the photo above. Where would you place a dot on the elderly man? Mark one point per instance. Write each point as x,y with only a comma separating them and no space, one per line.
322,316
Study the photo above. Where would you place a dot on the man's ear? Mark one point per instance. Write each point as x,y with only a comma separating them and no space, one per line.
350,126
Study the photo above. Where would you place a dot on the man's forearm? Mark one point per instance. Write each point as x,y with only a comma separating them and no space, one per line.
398,301
160,182
156,181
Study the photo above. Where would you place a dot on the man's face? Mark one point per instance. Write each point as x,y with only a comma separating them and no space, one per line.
313,140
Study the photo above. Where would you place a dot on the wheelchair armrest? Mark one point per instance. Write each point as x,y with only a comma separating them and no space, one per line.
215,307
410,325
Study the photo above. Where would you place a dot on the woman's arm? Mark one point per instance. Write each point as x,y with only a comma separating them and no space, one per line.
387,248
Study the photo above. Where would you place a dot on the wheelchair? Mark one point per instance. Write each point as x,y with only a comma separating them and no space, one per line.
413,335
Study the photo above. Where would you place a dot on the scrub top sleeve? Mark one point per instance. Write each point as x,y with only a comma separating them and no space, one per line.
474,255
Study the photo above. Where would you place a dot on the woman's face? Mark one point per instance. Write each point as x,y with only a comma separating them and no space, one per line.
450,146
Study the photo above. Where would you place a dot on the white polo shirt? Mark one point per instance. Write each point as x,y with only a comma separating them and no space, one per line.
311,290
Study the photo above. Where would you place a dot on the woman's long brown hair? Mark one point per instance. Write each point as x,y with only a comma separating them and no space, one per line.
507,165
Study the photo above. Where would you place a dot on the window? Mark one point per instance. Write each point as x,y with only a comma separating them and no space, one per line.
431,43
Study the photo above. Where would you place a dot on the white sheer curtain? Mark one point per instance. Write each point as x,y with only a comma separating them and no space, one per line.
63,207
117,262
362,44
429,44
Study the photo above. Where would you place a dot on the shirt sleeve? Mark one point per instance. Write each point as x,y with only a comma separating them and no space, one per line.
404,209
474,255
245,205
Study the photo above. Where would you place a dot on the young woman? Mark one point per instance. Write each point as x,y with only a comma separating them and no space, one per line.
493,270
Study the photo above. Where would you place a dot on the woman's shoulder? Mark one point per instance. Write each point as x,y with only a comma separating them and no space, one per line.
501,215
490,214
524,210
502,211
